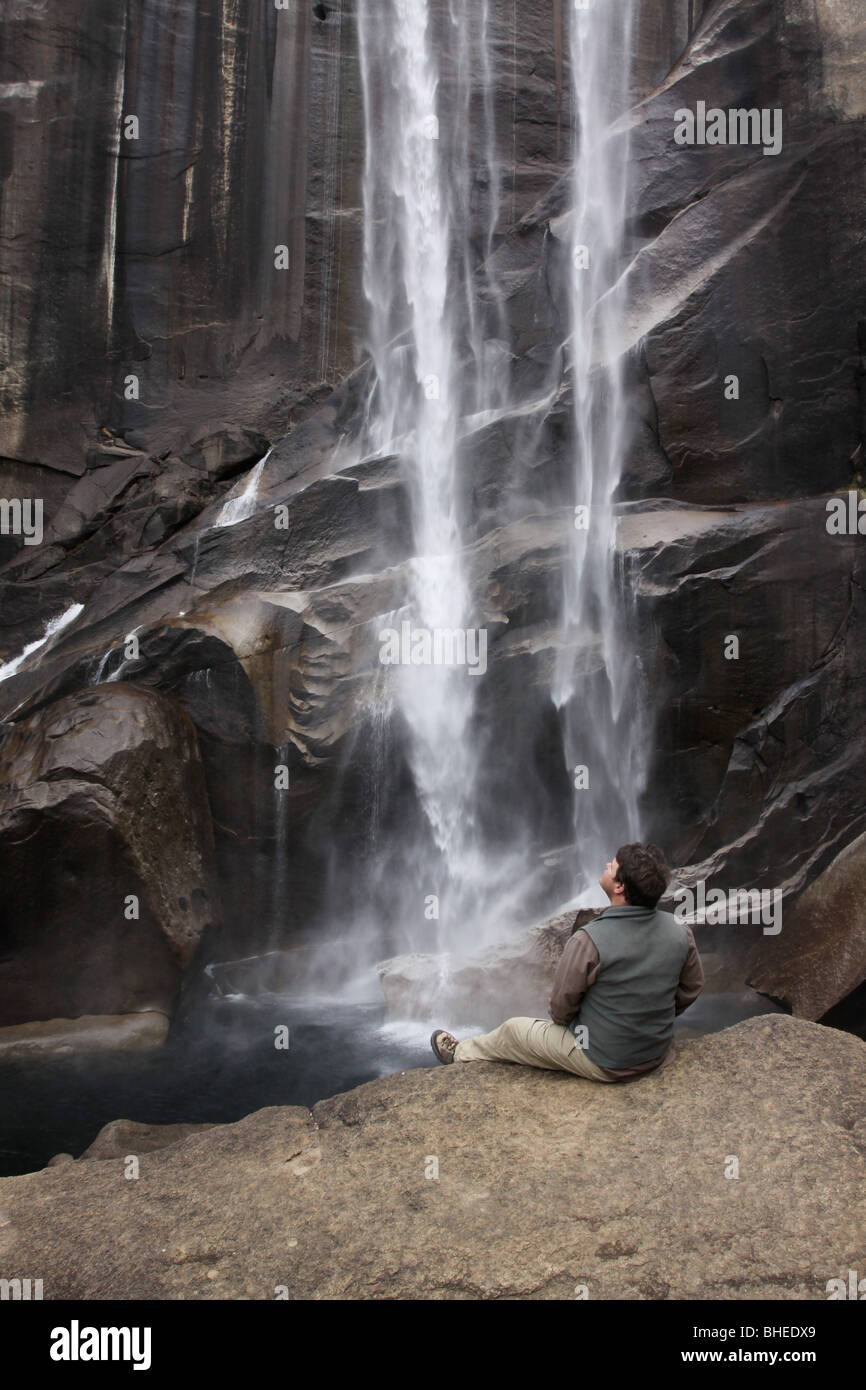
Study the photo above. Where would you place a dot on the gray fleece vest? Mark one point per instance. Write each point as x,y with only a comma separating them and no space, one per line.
629,1011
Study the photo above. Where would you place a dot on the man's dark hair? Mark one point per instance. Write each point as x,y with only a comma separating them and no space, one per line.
643,871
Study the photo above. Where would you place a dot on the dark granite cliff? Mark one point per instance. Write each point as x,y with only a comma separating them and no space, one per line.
153,258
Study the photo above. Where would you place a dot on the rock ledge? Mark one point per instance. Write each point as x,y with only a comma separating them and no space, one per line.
486,1180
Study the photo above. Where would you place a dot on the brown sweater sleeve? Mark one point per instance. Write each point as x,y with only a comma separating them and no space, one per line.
577,969
691,976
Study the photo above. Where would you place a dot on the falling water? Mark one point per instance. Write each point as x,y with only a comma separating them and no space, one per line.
439,343
239,508
101,665
99,675
603,728
194,570
416,180
488,342
52,628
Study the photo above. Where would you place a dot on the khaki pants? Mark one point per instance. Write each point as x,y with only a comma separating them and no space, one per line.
536,1042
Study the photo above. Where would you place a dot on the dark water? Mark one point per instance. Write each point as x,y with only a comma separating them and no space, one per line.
218,1066
220,1063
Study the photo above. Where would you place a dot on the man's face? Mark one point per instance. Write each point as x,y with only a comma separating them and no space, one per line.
608,882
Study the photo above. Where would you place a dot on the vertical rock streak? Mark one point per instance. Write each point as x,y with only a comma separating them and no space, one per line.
109,246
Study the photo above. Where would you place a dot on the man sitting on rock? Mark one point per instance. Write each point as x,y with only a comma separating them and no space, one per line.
620,982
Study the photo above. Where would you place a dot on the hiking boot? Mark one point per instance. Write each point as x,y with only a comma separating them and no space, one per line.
444,1045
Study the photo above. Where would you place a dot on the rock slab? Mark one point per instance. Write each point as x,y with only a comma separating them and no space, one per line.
60,1037
488,1181
106,849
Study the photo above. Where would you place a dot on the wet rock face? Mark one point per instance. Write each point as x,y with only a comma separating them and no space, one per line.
823,945
150,250
243,119
106,854
149,188
763,750
223,451
250,135
65,1037
751,261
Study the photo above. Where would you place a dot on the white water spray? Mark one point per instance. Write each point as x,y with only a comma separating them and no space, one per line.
439,340
125,660
52,629
244,505
603,729
414,190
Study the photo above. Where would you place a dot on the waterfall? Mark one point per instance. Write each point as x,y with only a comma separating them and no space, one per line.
490,353
440,345
96,679
239,508
603,725
416,182
195,557
52,628
125,660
